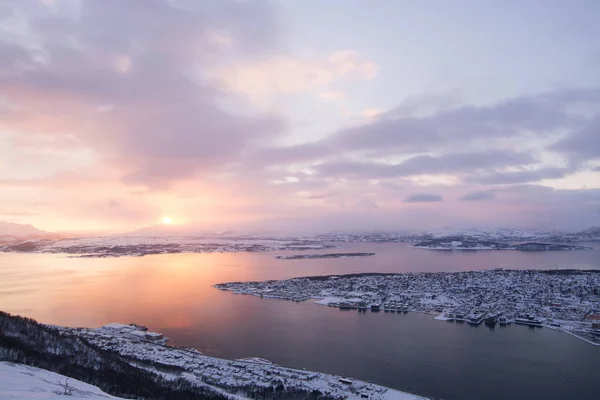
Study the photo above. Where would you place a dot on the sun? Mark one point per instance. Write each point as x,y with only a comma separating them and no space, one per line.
167,220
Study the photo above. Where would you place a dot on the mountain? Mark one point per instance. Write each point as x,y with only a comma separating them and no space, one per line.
495,233
19,230
588,235
163,230
169,230
10,232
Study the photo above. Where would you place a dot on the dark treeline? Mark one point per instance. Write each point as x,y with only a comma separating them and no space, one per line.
24,341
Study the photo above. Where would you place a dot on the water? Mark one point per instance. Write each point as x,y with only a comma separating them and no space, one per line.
173,294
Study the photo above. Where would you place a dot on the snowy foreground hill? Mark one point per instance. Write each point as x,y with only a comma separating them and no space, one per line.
130,362
18,381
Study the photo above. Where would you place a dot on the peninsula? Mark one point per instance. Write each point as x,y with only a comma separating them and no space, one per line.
566,300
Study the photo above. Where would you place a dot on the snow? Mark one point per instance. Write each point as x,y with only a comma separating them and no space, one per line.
396,395
226,376
474,294
19,381
114,325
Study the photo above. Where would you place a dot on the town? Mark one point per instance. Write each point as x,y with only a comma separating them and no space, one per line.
565,300
252,377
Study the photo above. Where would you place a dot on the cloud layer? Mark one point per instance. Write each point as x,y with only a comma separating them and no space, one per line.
199,110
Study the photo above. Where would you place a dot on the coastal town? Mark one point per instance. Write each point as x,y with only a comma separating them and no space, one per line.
565,300
232,379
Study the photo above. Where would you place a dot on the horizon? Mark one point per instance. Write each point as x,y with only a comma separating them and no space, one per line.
293,116
21,231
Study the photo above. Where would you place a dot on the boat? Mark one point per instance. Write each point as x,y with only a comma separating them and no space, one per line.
531,321
375,307
503,320
491,319
475,319
347,306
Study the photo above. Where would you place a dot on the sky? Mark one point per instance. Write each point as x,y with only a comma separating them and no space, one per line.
299,115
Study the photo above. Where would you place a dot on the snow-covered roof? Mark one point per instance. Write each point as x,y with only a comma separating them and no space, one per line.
115,325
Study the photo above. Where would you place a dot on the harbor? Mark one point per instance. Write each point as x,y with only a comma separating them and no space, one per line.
566,300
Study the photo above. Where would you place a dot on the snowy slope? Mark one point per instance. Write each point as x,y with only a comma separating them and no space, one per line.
19,381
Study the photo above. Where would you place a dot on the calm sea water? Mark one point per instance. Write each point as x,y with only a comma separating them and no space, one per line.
173,294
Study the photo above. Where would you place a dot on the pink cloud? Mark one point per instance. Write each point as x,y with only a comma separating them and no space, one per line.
288,75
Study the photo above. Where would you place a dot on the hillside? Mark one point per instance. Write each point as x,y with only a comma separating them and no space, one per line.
19,381
128,361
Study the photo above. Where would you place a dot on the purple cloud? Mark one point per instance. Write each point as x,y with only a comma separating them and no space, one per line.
426,164
542,114
159,122
500,178
477,196
583,144
423,198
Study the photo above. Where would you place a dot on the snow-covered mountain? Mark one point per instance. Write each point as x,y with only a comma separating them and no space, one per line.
495,233
167,230
588,235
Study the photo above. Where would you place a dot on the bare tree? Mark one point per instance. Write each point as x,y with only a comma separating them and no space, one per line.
67,389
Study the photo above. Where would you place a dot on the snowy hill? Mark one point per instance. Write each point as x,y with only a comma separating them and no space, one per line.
129,361
19,381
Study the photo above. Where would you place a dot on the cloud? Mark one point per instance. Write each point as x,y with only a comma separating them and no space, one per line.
541,114
371,112
287,74
582,145
423,198
511,132
477,196
499,178
367,205
318,196
425,164
156,116
331,95
596,169
299,153
127,94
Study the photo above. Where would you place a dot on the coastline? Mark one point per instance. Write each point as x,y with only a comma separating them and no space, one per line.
441,317
230,379
530,297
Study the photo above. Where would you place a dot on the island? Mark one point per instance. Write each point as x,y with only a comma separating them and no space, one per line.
565,300
460,243
132,362
115,246
328,255
119,246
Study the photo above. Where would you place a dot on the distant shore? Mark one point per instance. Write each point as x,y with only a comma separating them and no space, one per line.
327,255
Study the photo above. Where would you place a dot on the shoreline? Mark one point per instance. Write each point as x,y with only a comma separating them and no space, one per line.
531,297
440,317
148,353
